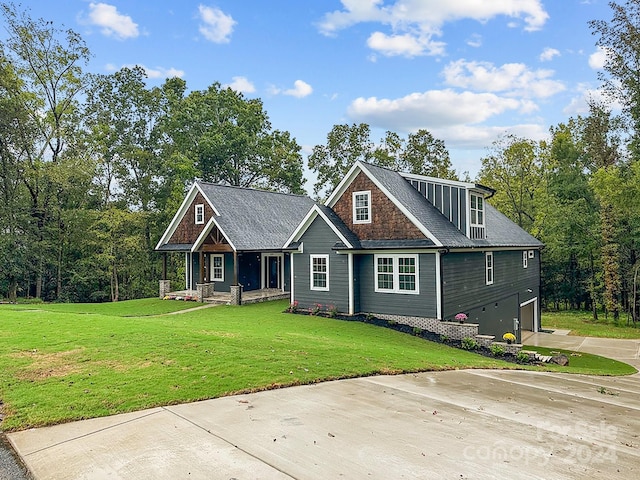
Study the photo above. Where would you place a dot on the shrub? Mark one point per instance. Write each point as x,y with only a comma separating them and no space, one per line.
497,350
522,357
417,330
315,310
293,308
332,311
444,338
469,343
509,337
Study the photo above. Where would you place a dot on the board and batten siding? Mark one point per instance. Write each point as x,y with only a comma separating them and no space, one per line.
450,200
318,240
492,306
422,305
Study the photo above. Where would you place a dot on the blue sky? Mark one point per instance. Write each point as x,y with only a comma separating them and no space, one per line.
466,70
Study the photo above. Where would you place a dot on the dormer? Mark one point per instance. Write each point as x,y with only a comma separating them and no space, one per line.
462,203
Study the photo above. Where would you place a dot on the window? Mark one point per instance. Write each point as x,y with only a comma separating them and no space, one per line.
217,268
488,259
477,210
532,254
362,207
525,259
199,214
320,272
396,273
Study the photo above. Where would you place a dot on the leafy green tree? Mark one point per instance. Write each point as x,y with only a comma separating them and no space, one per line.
229,139
420,153
515,168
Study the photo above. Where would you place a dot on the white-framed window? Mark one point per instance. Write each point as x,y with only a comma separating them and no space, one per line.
217,268
477,210
396,273
488,262
199,214
525,259
319,272
362,207
532,253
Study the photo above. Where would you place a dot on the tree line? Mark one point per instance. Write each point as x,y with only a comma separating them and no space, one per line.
93,166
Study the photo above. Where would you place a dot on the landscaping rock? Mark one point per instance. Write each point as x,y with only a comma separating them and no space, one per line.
561,360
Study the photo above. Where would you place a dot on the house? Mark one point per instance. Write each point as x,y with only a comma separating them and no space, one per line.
232,237
416,249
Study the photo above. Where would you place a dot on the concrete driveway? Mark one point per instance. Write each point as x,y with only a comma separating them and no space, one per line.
467,424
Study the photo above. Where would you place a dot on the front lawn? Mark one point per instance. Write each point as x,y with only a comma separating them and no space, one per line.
585,363
66,362
582,324
128,308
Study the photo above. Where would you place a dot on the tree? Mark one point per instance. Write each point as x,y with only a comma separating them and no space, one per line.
515,169
620,41
229,140
48,63
420,153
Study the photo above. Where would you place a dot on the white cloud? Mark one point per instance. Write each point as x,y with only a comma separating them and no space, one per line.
433,108
217,27
406,45
414,23
598,58
113,24
152,73
475,40
300,89
241,84
511,78
548,54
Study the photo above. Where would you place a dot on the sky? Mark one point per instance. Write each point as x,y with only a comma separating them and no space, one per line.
468,71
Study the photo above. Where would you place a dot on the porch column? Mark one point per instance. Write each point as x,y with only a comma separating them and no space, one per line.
235,267
164,265
201,262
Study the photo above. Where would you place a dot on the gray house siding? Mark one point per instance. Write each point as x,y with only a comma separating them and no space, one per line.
494,306
319,239
422,305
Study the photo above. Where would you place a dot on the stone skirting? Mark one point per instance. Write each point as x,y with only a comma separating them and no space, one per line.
165,288
451,330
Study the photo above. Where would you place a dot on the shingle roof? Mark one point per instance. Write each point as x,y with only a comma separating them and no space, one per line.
351,237
501,232
256,219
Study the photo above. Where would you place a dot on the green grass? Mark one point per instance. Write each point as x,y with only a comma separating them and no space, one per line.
67,362
129,308
582,324
584,363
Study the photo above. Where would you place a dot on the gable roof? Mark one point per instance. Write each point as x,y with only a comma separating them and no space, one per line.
501,231
250,219
347,238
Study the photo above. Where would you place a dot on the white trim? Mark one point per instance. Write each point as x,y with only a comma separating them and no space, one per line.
442,181
206,230
311,272
263,273
211,257
536,313
198,212
396,273
351,289
438,286
306,223
182,211
488,255
344,183
525,259
292,278
477,210
366,193
186,270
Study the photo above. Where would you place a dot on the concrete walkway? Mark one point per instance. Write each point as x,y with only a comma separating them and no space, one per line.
466,424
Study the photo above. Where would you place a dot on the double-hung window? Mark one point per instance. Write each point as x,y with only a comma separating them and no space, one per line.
319,272
488,261
217,268
396,273
199,214
362,207
525,259
477,210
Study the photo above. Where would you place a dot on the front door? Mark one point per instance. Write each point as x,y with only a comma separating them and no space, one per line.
272,271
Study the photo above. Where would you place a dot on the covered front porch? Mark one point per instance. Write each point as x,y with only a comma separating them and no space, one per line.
226,298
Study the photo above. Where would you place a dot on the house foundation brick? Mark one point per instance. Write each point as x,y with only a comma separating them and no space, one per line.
165,288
